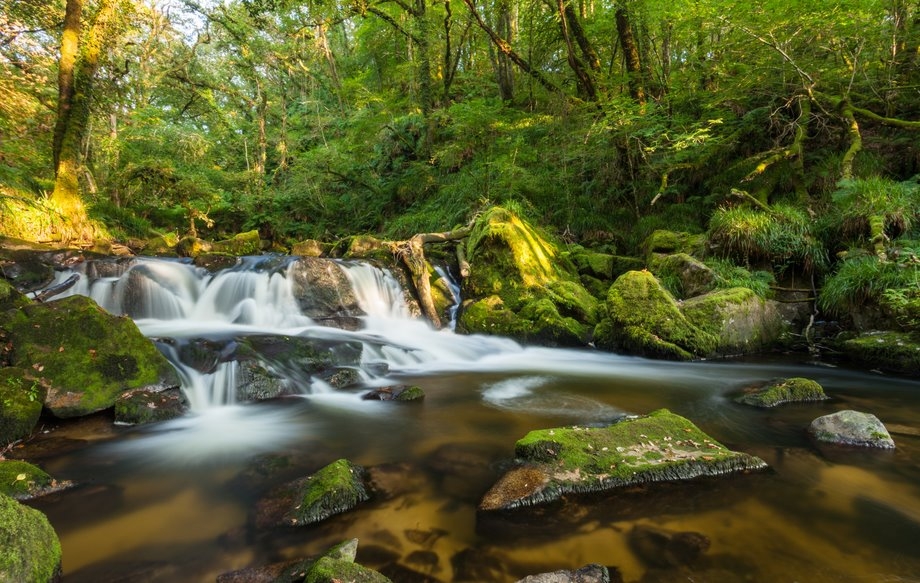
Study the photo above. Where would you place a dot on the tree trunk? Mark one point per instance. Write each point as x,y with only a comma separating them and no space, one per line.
630,55
70,50
583,78
503,70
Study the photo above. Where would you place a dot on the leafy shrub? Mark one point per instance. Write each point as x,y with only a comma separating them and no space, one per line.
869,279
871,206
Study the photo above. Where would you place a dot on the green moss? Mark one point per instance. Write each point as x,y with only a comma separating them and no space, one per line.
10,297
140,406
645,319
247,243
893,351
332,490
162,245
84,356
412,393
20,479
20,404
328,570
793,390
663,241
29,548
661,446
690,276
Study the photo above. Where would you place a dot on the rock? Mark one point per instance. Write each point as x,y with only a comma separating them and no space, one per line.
247,243
140,406
23,481
741,321
337,565
523,285
256,383
192,247
592,573
851,428
215,262
395,393
644,318
162,245
692,275
669,242
10,297
334,489
476,565
658,547
324,292
794,390
575,460
21,398
308,248
29,547
84,357
891,351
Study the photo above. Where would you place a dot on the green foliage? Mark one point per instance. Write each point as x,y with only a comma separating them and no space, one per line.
868,279
730,275
781,239
874,205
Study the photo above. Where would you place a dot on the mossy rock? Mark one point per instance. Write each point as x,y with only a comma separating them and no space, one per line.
10,297
334,489
668,242
85,357
645,319
214,262
21,398
247,243
793,390
22,480
578,460
852,428
310,248
890,351
741,321
141,406
30,550
192,247
368,247
692,277
162,245
335,565
533,288
404,393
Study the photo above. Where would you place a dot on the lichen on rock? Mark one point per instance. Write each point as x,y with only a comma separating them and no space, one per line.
851,428
571,460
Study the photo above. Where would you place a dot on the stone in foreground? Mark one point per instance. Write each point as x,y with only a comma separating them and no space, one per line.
794,390
851,428
660,447
336,564
29,548
592,573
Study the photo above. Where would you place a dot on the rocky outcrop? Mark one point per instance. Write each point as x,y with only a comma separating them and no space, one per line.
592,573
793,390
577,460
29,547
851,428
522,285
324,293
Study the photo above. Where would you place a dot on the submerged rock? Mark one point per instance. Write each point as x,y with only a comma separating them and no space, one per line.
851,428
29,547
84,357
793,390
575,460
658,547
592,573
334,489
395,393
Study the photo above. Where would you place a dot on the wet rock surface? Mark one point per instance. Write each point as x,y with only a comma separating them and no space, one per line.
851,428
592,573
792,390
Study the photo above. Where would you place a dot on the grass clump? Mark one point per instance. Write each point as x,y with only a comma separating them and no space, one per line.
869,279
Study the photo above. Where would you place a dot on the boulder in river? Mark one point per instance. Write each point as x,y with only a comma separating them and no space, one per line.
23,481
336,488
83,357
592,573
851,428
659,447
792,390
29,547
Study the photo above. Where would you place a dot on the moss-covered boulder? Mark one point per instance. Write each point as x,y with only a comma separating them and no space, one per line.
690,276
83,356
741,321
310,248
336,565
334,489
10,297
29,548
644,318
669,242
22,481
793,390
851,428
890,351
247,243
21,397
577,460
395,393
522,285
161,245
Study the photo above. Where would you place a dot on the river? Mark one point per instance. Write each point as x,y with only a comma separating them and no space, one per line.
175,501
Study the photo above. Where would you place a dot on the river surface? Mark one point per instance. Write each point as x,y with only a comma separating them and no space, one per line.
175,501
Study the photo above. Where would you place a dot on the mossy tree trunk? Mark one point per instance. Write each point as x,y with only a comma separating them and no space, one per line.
631,55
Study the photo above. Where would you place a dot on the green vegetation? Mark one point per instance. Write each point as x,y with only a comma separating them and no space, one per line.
794,390
335,488
29,548
20,479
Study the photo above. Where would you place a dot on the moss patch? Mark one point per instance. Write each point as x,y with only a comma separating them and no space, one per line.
660,447
21,399
793,390
29,547
667,242
892,351
247,243
85,357
20,479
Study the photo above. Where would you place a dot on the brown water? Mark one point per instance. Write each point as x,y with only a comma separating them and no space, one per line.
148,510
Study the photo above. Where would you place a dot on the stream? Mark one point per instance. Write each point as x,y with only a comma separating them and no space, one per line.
174,501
